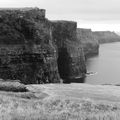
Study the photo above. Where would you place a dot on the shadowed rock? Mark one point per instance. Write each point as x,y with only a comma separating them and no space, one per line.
13,86
71,62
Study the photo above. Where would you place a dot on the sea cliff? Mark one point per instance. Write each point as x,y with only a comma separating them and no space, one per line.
88,41
106,36
71,61
34,49
26,49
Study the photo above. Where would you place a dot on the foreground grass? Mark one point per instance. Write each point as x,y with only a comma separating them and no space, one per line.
37,105
57,109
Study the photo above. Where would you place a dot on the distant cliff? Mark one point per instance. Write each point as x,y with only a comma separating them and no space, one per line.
36,50
71,61
106,36
89,42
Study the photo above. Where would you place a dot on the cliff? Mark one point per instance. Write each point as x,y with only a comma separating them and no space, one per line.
36,50
89,43
26,49
71,62
106,36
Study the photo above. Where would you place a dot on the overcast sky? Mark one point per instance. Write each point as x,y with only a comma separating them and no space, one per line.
94,14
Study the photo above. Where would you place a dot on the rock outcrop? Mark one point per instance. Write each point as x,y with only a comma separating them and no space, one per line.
12,86
71,62
89,43
26,49
106,36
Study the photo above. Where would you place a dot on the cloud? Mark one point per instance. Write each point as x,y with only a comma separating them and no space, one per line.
82,11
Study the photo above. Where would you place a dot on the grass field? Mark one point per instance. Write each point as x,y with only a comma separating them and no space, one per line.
62,102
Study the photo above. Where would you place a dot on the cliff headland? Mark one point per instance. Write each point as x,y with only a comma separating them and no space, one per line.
106,36
89,43
34,49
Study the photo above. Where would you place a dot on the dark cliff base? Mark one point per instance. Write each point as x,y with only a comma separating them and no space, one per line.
75,80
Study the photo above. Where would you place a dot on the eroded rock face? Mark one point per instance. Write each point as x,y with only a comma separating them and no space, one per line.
36,50
71,62
106,36
27,52
88,41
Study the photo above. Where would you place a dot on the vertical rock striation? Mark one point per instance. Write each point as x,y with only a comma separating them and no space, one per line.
89,43
26,48
71,62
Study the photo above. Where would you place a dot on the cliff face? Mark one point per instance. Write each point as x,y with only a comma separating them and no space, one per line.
106,36
71,62
36,50
89,43
26,49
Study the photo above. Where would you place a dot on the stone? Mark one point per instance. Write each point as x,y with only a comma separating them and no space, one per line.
12,86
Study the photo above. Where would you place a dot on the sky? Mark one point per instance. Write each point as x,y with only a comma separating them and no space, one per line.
95,14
